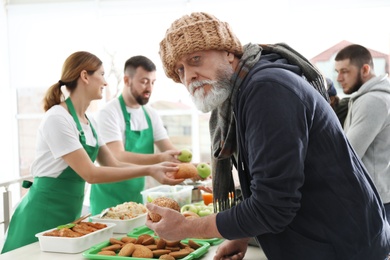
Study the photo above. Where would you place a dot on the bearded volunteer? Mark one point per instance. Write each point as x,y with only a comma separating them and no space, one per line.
130,129
367,124
306,194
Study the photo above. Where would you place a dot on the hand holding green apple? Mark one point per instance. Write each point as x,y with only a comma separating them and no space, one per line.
185,155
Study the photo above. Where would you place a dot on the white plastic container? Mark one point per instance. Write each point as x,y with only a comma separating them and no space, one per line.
74,245
122,226
180,193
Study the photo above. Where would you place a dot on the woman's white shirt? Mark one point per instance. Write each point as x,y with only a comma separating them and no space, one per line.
57,136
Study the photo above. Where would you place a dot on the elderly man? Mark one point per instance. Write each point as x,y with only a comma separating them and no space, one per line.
306,194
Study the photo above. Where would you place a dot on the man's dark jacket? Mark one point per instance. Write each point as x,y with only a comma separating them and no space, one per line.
306,193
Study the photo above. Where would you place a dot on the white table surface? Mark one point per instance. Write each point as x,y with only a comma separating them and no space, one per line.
33,252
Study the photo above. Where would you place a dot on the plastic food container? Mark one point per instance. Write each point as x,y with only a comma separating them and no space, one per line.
122,226
145,230
180,193
74,244
92,252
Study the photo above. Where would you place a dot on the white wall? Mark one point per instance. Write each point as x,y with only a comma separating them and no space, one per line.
9,144
35,38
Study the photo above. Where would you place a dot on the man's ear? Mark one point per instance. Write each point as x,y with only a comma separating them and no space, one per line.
230,57
366,70
126,80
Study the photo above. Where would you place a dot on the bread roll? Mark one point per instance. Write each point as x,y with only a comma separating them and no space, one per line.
166,203
186,171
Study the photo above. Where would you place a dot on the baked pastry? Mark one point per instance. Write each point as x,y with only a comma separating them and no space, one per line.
142,252
186,171
107,253
127,250
166,257
116,241
128,240
166,203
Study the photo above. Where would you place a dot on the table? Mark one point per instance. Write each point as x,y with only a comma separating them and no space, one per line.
33,252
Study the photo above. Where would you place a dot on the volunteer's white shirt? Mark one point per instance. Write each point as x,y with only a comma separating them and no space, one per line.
57,136
111,122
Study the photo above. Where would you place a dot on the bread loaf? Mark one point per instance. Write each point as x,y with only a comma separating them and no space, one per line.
166,203
186,171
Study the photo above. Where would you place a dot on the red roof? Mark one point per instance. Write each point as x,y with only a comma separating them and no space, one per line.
327,54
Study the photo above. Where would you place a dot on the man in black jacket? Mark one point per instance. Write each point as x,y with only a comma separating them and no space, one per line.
306,194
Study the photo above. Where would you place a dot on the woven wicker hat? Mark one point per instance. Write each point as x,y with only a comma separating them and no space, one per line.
196,32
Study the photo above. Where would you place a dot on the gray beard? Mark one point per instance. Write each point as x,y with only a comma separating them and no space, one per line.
220,90
215,97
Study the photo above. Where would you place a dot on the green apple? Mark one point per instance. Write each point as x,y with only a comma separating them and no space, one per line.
204,170
205,212
189,207
185,155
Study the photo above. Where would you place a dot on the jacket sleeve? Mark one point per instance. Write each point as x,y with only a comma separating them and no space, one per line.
368,115
273,125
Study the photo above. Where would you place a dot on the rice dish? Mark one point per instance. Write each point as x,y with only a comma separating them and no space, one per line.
127,210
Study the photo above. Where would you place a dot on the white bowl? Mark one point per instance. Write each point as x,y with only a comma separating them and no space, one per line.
74,244
122,226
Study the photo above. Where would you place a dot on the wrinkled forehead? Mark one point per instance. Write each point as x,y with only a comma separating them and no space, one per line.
185,58
201,53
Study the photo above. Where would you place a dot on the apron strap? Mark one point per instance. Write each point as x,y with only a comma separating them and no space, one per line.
72,111
137,141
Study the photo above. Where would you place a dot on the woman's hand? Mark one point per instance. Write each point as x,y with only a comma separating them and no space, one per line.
164,173
169,156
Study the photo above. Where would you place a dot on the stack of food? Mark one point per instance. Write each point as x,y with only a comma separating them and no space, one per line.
127,210
75,230
147,246
74,238
125,216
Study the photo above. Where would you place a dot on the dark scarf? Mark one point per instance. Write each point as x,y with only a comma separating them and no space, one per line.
223,125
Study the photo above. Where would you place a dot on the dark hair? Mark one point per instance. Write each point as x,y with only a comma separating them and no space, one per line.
357,54
139,61
73,66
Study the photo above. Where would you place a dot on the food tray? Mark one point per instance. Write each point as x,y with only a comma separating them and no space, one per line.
122,226
92,252
145,230
74,245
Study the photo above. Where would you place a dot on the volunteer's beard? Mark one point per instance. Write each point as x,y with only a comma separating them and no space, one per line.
357,85
138,97
219,91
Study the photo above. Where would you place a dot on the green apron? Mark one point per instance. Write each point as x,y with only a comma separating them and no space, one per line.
108,195
50,202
